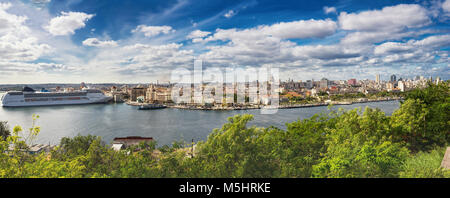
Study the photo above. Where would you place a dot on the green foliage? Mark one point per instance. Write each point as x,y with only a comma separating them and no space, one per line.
303,145
432,94
423,120
322,93
389,94
71,147
301,100
175,145
425,165
358,146
347,96
4,130
237,151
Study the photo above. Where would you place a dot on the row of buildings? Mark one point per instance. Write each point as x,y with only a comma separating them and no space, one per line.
141,93
313,88
161,93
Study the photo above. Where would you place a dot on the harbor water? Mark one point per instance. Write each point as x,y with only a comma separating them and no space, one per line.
164,125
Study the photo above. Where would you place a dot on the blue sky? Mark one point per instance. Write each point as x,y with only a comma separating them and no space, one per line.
141,41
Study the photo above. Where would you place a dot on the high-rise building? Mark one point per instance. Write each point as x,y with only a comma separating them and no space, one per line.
324,83
401,86
309,84
377,79
393,78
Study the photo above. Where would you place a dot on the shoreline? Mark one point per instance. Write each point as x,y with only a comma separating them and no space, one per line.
283,106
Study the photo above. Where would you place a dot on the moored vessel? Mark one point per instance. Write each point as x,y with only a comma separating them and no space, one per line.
29,97
151,106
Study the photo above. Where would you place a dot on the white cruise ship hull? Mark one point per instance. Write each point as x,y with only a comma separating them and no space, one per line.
21,104
18,99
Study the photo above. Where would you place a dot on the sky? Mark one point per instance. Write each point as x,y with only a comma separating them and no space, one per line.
143,41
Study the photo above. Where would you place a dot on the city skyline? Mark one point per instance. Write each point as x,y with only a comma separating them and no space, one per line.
45,41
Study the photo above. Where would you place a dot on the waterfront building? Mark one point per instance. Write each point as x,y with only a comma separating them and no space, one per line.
136,92
158,94
118,97
151,94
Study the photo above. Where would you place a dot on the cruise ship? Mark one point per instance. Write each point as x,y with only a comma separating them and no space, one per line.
30,97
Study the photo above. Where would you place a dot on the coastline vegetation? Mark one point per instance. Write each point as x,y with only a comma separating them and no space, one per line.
355,143
345,97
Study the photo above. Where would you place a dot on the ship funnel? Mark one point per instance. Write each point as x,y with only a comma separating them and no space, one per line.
28,89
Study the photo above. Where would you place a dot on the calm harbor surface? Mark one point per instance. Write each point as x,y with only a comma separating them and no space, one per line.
165,125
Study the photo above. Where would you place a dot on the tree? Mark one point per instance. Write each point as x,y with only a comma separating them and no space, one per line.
409,124
422,121
359,146
4,130
237,151
303,143
72,147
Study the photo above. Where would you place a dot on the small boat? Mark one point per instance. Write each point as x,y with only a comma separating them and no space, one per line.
151,106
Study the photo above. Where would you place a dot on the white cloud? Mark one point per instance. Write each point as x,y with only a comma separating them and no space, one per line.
436,41
16,40
67,23
198,34
229,14
302,29
267,44
389,23
392,47
357,38
41,1
392,18
413,51
329,10
94,42
446,6
23,42
150,31
326,52
284,30
198,40
142,59
10,21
